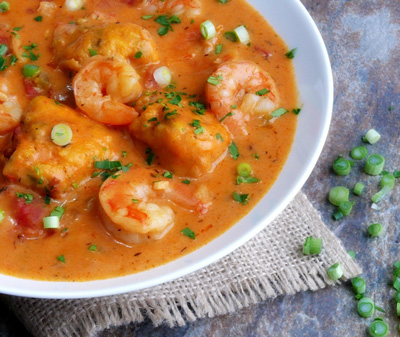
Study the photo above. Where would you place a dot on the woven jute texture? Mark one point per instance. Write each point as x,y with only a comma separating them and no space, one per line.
269,265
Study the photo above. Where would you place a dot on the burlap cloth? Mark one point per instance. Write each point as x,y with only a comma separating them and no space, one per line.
269,265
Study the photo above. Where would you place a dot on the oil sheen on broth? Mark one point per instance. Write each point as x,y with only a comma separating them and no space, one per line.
94,71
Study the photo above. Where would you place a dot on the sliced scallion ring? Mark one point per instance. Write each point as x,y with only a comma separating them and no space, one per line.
372,136
366,307
335,272
338,194
378,328
359,188
358,285
51,222
374,164
207,30
242,34
61,134
162,76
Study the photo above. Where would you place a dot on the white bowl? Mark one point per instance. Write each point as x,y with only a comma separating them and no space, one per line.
314,80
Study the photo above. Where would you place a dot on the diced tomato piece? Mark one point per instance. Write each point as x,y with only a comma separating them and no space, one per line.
29,217
30,89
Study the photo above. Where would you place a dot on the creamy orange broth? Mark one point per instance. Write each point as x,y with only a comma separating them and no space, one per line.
37,259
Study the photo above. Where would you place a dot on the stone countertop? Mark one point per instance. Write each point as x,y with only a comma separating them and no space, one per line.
363,41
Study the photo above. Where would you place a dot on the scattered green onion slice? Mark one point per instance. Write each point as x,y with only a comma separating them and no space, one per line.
278,112
162,76
375,229
51,222
377,197
374,164
337,215
396,283
61,134
345,207
378,328
388,180
30,70
358,285
312,246
242,34
396,174
4,6
2,213
359,152
397,297
244,170
189,233
335,272
338,194
359,188
342,166
365,307
207,30
352,254
398,309
372,136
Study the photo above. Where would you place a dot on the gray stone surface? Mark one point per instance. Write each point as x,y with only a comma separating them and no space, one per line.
363,41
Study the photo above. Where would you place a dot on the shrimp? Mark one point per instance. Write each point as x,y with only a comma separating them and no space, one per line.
72,44
241,88
10,110
137,207
102,87
191,8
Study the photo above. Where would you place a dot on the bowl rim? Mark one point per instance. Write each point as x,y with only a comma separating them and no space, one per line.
69,290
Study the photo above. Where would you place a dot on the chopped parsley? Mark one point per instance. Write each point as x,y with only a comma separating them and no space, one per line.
219,137
234,106
188,232
198,129
255,156
3,49
229,114
262,92
61,258
75,185
38,18
176,100
135,201
215,80
147,17
124,154
291,54
167,174
138,55
27,196
166,22
200,107
2,214
186,182
241,198
296,111
168,115
233,150
150,156
246,180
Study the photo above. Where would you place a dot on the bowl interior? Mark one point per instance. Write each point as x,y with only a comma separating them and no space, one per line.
314,80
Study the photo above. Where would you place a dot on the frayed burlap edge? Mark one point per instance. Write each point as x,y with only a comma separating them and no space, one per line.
269,265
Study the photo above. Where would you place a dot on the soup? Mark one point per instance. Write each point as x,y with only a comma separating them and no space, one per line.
134,132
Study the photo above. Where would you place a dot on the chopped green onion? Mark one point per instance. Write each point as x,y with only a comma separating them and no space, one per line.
241,198
388,180
162,76
218,49
207,30
359,188
372,136
58,211
3,49
233,150
337,215
398,309
338,194
51,222
231,36
2,213
396,174
93,248
30,70
27,196
244,170
365,307
377,197
242,34
278,112
92,52
359,152
378,328
375,229
312,246
374,164
186,182
262,92
61,134
188,232
396,265
4,6
38,18
215,80
61,258
358,285
246,180
345,207
342,166
147,17
138,55
352,254
335,272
